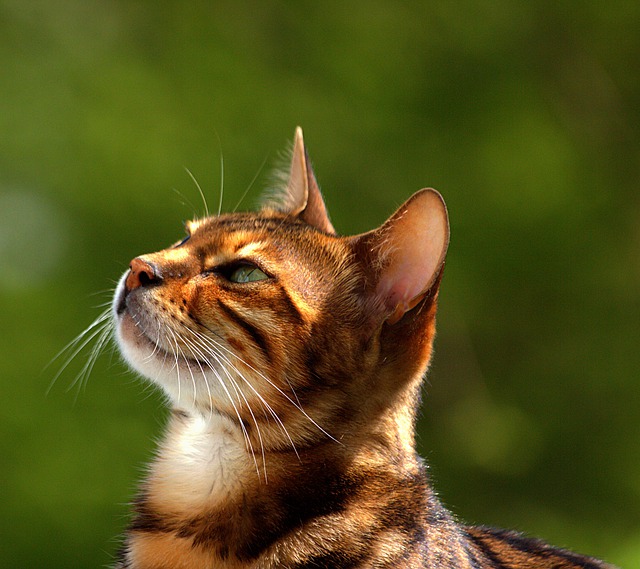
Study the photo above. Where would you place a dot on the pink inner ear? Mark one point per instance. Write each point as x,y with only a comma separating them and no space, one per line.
416,240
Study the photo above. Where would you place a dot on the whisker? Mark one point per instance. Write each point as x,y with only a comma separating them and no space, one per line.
222,347
201,356
221,181
263,401
179,353
221,172
100,326
83,377
99,320
238,390
106,291
255,177
185,201
202,196
156,345
198,362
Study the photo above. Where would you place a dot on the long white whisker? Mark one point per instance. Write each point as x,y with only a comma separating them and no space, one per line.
85,372
221,172
175,364
213,345
158,348
180,354
239,391
196,350
203,356
193,347
96,328
156,345
99,320
222,347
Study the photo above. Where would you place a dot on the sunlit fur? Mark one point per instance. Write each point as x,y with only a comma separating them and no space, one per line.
291,442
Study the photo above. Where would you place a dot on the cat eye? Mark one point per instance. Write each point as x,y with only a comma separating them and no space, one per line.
246,273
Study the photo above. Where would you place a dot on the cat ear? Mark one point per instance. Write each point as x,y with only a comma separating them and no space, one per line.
408,253
303,194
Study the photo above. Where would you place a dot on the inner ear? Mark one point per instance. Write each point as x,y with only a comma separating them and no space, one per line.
303,194
407,253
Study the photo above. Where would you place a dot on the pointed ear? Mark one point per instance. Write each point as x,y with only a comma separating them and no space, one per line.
407,253
303,194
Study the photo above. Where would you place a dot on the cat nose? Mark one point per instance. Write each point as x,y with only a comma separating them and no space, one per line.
141,274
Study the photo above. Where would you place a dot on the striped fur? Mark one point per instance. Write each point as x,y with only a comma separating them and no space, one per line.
292,359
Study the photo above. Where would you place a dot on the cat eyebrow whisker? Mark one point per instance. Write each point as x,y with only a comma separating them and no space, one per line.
202,196
221,178
255,177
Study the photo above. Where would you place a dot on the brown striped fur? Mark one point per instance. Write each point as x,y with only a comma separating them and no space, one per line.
294,395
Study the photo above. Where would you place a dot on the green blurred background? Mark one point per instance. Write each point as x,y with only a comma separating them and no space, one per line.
523,114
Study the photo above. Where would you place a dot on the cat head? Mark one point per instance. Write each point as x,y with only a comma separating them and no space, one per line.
273,318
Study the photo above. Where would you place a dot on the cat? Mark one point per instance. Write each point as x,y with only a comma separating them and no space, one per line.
292,359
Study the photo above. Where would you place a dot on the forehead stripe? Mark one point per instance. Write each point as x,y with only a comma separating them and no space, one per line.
248,224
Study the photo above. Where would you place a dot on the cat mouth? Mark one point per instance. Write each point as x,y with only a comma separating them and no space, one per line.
134,334
140,330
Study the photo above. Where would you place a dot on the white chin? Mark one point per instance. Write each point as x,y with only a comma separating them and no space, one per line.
184,382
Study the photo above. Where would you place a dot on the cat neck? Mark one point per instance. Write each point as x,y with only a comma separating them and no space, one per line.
205,461
201,463
206,488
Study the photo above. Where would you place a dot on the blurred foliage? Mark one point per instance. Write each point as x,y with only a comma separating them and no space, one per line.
523,114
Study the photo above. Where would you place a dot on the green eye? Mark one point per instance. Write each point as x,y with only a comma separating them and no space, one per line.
246,274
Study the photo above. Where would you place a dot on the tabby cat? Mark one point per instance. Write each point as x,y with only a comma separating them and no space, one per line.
293,359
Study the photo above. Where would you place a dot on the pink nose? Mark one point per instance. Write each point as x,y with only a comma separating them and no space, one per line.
141,273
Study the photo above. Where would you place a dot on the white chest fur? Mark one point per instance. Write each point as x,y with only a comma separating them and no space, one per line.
202,462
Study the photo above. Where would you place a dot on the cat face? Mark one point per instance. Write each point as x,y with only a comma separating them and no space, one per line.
252,314
218,319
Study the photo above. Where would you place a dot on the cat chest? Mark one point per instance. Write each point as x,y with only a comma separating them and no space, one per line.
201,464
